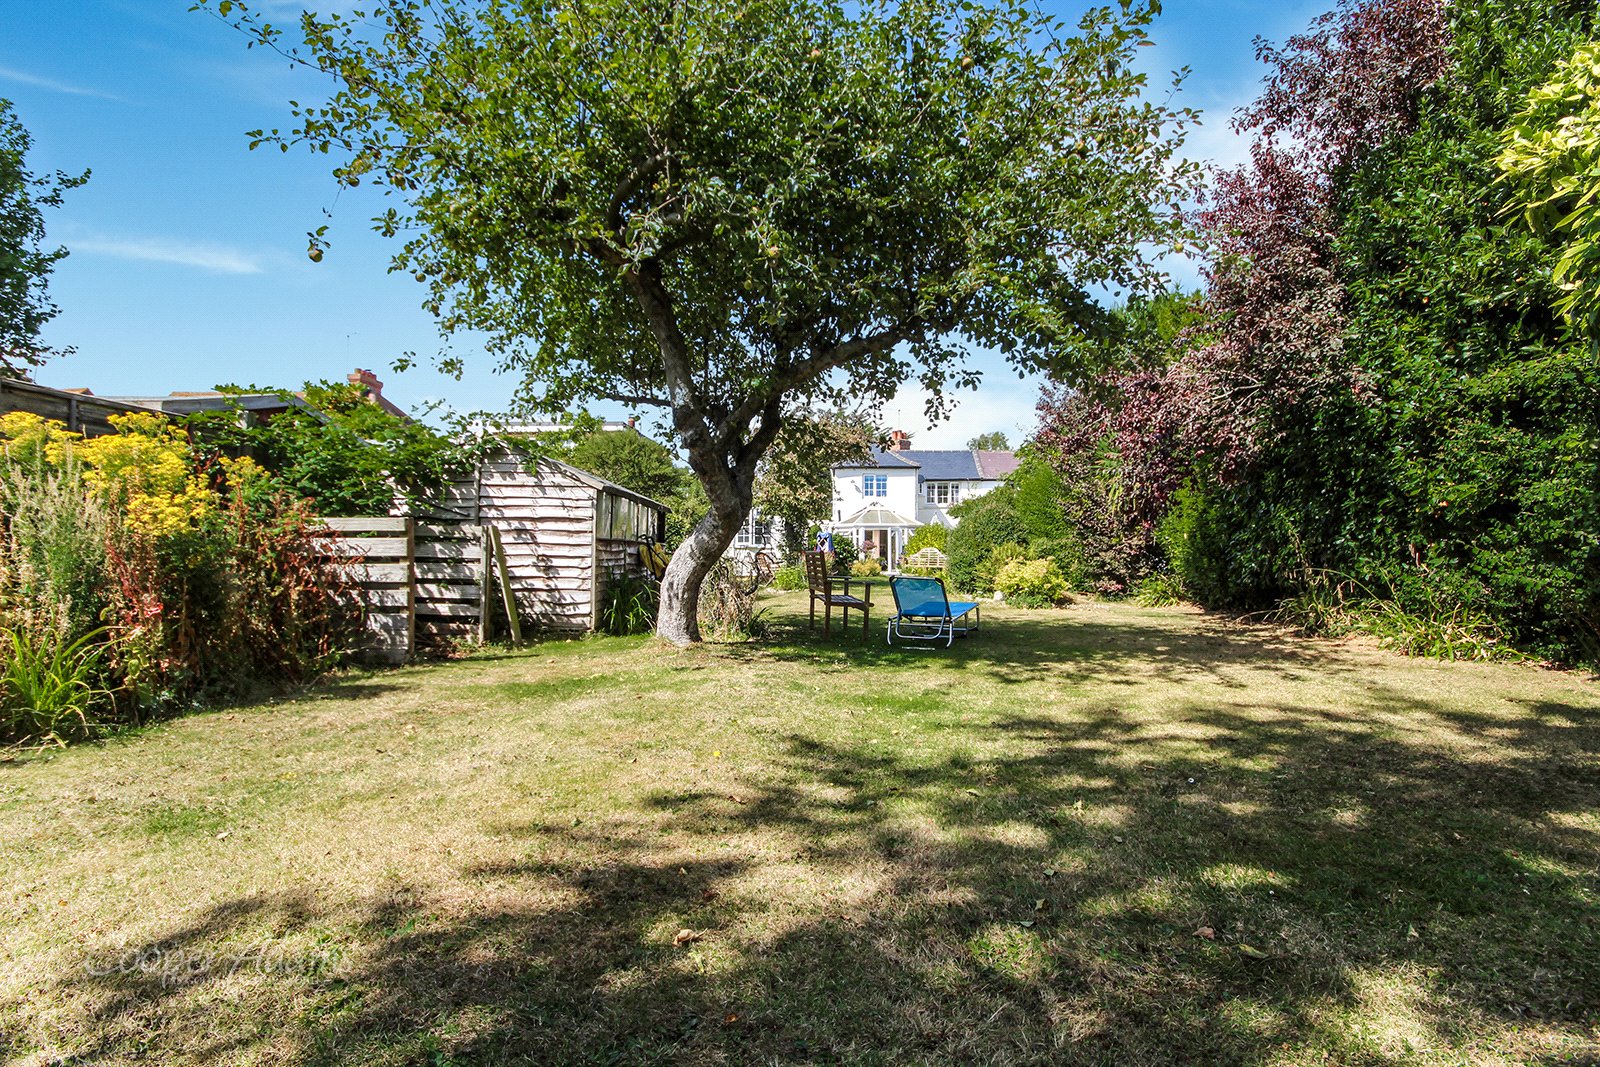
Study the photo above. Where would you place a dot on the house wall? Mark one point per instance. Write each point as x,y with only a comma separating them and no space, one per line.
930,513
849,497
905,494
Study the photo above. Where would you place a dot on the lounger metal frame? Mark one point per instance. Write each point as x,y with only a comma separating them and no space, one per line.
917,624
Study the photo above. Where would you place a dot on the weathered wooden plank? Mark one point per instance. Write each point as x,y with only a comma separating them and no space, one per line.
548,570
495,483
378,573
464,609
485,563
368,547
426,592
551,540
516,532
441,627
530,519
384,524
532,498
531,551
446,550
386,598
433,570
506,596
456,531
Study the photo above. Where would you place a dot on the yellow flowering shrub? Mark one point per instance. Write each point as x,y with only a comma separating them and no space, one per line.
243,474
27,439
143,470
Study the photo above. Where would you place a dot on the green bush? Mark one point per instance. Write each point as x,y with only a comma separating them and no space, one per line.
213,578
845,554
789,577
1033,583
985,521
1229,547
685,510
989,570
933,535
628,605
1160,589
1040,501
54,574
866,568
345,453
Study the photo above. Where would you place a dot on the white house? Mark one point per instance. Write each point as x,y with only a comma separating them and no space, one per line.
879,504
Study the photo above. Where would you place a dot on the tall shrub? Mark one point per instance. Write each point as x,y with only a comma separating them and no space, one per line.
985,521
206,572
1385,388
53,536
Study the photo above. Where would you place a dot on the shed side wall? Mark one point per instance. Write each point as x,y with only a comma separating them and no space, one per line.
546,523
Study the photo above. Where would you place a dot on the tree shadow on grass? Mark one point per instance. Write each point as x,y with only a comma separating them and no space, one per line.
1419,891
1017,647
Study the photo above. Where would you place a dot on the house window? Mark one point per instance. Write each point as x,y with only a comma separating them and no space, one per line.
754,533
875,485
943,492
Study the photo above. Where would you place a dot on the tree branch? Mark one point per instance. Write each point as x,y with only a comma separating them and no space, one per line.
636,398
822,360
688,406
631,183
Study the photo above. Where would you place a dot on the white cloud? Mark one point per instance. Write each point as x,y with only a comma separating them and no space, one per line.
1216,142
217,258
24,78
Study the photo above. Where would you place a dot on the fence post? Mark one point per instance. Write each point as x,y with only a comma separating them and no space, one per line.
507,594
411,588
485,561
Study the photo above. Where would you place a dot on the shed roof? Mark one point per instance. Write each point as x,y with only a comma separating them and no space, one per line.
607,487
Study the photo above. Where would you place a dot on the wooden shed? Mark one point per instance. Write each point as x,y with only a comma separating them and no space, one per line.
565,531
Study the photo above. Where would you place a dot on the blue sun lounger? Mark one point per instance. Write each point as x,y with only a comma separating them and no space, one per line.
923,612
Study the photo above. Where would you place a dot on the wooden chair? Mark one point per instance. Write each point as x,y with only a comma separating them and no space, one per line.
821,583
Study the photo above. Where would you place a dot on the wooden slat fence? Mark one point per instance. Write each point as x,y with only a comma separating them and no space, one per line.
452,571
422,584
378,551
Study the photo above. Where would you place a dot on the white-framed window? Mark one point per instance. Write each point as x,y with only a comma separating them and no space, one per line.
943,492
875,485
755,532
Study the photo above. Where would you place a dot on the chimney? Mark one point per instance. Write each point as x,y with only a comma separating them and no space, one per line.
899,441
367,382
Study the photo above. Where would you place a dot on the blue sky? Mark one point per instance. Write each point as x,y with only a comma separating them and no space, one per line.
188,265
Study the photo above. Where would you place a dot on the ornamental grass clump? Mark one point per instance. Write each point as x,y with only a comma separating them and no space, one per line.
728,605
49,686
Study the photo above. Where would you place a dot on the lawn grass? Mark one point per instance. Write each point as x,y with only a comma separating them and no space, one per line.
802,851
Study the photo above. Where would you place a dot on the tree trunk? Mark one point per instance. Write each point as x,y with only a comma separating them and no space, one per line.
678,618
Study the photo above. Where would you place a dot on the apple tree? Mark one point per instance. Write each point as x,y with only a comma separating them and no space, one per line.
733,210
